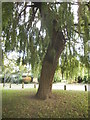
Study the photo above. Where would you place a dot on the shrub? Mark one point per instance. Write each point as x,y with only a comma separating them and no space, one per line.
56,78
85,79
80,79
20,80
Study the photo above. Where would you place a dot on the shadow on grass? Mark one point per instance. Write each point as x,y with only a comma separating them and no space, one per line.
62,104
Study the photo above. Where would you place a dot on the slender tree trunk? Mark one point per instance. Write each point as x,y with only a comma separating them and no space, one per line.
55,48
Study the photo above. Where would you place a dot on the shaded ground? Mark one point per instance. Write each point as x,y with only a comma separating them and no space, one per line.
65,104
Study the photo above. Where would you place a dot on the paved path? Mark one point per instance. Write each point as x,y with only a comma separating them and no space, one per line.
80,87
59,86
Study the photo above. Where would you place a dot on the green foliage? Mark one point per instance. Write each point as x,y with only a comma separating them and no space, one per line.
57,76
26,38
83,15
85,79
66,18
7,14
69,64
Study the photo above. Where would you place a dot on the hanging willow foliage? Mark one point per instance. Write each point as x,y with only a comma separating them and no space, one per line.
22,34
83,20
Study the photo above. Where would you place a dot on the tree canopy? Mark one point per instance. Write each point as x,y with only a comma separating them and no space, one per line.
44,31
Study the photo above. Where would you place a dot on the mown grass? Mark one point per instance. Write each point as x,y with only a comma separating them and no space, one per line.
64,104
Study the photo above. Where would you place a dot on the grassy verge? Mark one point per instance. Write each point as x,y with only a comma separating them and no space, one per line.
65,104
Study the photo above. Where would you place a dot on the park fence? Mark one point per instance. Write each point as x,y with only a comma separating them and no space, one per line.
81,87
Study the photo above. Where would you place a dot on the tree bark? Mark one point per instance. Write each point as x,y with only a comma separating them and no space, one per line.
55,48
48,68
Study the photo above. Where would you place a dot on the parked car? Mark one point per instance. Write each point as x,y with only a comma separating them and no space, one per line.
27,79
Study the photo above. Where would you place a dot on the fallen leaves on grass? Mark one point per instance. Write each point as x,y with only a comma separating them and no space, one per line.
64,104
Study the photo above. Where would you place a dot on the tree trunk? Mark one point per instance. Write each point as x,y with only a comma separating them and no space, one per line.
55,48
45,84
49,65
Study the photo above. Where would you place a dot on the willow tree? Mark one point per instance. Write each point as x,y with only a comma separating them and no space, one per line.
42,45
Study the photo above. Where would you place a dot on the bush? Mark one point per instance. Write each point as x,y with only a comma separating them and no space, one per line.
20,80
75,79
89,80
56,78
80,79
2,79
85,79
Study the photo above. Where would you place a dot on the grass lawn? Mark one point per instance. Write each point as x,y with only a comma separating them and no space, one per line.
65,104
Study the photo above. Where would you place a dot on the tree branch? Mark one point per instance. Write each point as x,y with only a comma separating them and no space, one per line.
76,24
77,31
